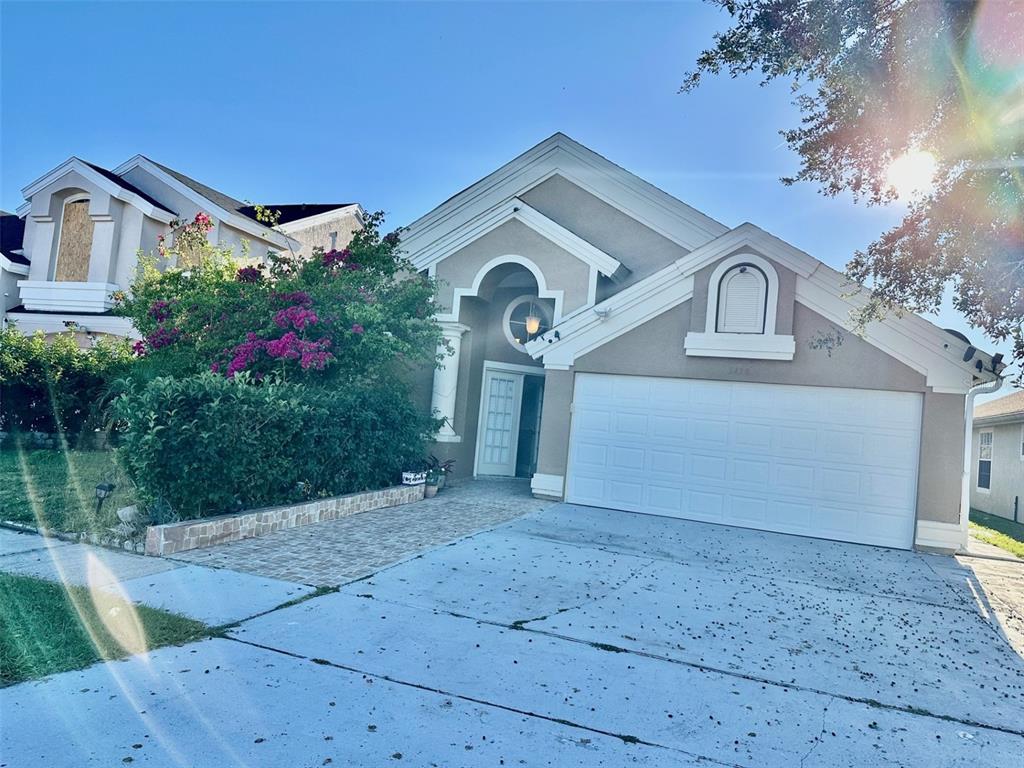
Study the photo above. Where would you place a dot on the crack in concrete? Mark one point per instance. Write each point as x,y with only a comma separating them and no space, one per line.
820,738
624,738
908,709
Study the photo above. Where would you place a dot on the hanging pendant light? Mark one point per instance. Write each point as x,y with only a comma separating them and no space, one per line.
532,322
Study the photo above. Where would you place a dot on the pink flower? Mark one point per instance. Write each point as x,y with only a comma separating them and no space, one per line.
203,221
139,348
295,317
333,258
357,328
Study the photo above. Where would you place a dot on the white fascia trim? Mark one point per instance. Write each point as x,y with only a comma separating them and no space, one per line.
61,296
528,370
747,346
948,537
560,155
549,486
543,292
116,326
532,218
12,266
624,316
237,220
322,218
74,164
747,234
911,339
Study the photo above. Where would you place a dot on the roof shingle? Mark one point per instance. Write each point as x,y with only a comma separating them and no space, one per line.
1011,405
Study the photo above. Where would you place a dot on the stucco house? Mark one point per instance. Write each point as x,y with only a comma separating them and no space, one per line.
624,350
997,457
75,240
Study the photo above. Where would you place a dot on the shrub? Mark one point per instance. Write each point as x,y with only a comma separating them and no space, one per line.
204,445
53,385
337,318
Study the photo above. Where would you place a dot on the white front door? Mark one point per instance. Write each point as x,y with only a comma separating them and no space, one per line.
501,398
815,461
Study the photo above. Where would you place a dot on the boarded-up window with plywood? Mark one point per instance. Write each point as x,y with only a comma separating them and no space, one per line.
75,243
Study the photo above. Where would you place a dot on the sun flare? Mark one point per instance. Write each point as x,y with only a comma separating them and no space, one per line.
912,173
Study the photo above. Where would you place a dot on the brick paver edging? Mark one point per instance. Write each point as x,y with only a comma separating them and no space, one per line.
195,534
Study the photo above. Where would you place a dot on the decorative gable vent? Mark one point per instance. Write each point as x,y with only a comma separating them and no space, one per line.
742,293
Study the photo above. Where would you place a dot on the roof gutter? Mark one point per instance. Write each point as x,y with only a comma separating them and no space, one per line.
965,483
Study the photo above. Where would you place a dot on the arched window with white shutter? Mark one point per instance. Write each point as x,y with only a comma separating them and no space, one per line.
742,299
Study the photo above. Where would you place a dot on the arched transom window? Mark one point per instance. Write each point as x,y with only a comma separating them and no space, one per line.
742,300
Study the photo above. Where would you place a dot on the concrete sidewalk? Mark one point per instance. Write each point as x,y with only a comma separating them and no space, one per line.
212,596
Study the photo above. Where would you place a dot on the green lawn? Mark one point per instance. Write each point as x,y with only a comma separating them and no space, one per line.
47,628
57,489
998,531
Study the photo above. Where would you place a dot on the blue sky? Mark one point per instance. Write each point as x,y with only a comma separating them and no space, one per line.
398,106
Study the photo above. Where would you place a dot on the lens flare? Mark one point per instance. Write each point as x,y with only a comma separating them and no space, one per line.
912,173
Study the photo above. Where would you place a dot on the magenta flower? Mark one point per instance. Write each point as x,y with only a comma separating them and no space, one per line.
357,328
203,221
295,317
163,337
333,257
160,310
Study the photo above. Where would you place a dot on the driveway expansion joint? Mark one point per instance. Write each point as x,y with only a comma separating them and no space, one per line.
793,686
624,738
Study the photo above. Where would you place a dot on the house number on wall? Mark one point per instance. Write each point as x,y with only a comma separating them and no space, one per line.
740,370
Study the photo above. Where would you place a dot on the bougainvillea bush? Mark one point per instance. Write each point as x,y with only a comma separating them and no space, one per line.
209,444
341,317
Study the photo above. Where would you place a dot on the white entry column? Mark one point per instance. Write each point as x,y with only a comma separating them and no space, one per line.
446,381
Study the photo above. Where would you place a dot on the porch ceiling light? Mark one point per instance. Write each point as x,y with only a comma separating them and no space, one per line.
532,324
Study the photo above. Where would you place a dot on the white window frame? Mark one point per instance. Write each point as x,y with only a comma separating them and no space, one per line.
767,345
991,446
1020,442
723,285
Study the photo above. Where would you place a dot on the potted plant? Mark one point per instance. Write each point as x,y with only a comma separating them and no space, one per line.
441,468
430,487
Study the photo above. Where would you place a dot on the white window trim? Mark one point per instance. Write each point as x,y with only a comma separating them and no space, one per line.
756,346
1020,443
762,279
991,445
507,316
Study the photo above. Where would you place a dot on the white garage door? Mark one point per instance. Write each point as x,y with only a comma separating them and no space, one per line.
816,461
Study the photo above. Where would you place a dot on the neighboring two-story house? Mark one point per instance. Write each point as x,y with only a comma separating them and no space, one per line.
997,459
75,241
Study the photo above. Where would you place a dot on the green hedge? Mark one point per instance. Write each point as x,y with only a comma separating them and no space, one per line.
205,445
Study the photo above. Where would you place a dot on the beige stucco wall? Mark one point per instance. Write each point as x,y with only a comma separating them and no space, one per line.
560,268
1007,471
656,349
345,223
639,248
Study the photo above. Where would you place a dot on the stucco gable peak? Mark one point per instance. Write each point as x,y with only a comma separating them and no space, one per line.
561,155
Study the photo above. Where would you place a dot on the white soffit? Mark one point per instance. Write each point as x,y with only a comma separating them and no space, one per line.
520,211
560,155
909,338
115,190
235,219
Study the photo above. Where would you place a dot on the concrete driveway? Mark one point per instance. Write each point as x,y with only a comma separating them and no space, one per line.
571,636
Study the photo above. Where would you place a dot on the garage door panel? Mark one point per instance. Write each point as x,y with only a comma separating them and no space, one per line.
834,463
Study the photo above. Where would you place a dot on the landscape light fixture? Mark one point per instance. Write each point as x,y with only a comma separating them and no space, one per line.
103,490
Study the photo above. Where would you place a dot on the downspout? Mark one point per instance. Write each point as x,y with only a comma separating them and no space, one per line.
965,484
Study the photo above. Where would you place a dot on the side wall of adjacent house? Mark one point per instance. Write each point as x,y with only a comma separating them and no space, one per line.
1007,483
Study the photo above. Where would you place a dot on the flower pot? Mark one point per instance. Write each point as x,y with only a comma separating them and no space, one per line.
429,491
441,481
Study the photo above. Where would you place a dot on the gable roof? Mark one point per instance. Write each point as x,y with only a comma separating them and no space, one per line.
109,181
562,156
12,233
218,204
910,338
127,185
1009,408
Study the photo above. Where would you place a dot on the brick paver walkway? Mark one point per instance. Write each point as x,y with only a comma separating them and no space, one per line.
336,552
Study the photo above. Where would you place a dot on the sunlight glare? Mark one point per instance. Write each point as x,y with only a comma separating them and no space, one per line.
912,173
